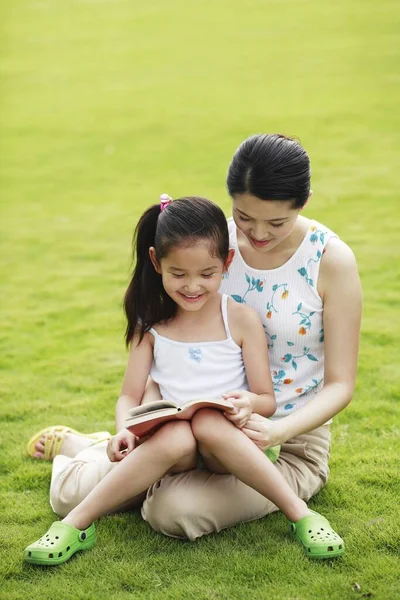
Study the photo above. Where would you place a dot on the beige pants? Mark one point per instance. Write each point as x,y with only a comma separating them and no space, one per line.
196,503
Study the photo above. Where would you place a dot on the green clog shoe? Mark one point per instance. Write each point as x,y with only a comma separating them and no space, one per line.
59,543
317,537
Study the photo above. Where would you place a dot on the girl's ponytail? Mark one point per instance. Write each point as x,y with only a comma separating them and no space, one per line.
145,299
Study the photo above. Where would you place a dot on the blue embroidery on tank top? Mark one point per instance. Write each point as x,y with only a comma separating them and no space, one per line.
195,354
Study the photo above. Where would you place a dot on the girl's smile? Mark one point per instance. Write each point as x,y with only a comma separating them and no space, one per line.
191,299
191,275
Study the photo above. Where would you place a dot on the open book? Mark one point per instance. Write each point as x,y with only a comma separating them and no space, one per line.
147,418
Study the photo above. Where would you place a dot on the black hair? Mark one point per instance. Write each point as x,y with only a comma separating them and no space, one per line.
183,222
272,167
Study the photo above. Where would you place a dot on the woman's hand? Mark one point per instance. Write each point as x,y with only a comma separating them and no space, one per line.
120,445
263,432
242,401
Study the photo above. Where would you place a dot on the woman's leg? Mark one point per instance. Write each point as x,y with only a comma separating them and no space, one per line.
172,448
190,505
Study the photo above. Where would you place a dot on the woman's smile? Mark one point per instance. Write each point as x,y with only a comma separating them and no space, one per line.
259,243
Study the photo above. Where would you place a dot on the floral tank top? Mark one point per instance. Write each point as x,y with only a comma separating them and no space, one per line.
287,300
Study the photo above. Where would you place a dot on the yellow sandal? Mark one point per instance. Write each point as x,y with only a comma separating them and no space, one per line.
54,437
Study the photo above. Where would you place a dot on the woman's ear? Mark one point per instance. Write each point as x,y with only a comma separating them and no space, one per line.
153,258
307,201
228,262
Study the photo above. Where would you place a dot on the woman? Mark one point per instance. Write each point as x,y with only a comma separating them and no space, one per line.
303,282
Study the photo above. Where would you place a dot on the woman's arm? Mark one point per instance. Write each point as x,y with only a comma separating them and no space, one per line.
136,375
340,289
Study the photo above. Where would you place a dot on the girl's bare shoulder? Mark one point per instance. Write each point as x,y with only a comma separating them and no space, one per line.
243,319
146,341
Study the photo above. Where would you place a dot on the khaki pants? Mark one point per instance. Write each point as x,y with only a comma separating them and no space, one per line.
196,503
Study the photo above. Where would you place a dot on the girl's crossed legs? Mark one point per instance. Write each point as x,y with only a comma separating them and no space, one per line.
225,449
173,449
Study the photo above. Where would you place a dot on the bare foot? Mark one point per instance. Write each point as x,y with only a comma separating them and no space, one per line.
72,444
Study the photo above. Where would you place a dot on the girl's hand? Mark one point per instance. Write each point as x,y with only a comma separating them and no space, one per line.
263,432
120,445
242,401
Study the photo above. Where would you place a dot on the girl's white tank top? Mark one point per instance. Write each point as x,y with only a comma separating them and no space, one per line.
193,370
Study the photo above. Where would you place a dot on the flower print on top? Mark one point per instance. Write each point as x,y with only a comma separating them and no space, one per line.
305,322
304,271
279,378
317,233
292,358
252,284
270,304
270,338
291,312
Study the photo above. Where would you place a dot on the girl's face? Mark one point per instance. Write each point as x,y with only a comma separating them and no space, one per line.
264,223
190,274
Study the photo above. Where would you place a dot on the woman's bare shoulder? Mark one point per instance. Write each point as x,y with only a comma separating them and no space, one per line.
337,252
338,267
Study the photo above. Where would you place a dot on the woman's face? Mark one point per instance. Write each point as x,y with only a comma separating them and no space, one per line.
265,223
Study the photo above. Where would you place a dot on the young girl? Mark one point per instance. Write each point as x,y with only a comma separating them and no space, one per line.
195,343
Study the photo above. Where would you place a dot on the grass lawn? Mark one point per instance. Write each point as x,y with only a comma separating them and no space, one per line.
104,105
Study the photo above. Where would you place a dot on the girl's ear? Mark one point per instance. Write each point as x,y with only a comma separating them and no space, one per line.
307,201
153,258
228,262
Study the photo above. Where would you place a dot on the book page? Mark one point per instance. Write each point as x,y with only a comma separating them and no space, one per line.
143,409
208,402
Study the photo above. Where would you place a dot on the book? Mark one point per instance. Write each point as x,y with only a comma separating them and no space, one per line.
145,419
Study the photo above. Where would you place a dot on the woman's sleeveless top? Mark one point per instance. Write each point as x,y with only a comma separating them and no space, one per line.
287,300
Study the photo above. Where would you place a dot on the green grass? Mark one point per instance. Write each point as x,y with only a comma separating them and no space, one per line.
106,104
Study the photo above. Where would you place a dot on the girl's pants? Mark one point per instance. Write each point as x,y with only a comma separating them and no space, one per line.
195,503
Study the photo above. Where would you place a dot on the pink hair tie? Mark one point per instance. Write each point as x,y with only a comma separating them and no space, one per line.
165,201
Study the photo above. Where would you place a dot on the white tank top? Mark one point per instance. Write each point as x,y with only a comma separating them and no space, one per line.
291,309
192,370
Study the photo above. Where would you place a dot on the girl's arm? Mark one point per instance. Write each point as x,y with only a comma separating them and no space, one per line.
136,374
247,328
340,289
